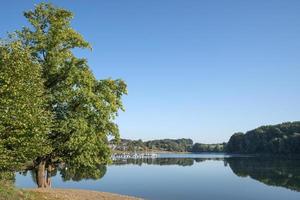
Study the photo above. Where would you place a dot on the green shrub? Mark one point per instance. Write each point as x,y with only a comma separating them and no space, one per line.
9,192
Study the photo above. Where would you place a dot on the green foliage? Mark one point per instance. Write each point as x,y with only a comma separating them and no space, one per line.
198,147
83,108
7,189
9,192
128,145
52,108
24,123
179,145
236,143
278,139
172,145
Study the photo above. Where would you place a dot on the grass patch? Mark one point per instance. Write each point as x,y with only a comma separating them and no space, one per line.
9,192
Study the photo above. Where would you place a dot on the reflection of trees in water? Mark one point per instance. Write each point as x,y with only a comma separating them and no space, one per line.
156,161
206,159
163,161
270,171
78,174
69,173
275,172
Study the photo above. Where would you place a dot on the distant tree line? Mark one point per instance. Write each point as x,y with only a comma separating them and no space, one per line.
277,139
272,139
180,145
172,145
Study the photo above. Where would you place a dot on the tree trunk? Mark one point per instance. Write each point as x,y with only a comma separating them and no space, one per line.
43,175
40,174
48,180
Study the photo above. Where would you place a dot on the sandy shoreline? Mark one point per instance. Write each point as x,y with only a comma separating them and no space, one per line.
77,194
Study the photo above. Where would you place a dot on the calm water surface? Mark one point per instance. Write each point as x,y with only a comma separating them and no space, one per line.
186,176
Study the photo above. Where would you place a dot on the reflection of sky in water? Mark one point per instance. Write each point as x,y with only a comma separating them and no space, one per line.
209,179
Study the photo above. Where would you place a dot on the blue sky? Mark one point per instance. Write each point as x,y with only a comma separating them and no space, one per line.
195,69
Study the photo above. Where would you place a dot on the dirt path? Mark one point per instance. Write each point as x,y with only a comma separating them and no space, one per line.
74,194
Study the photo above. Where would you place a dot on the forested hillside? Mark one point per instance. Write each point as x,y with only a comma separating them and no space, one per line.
277,139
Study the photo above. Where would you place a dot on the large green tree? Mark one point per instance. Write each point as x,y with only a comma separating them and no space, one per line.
24,121
83,108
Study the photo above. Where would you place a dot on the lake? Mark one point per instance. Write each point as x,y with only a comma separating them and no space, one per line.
186,176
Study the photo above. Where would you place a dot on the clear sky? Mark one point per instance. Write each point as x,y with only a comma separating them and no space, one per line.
194,69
